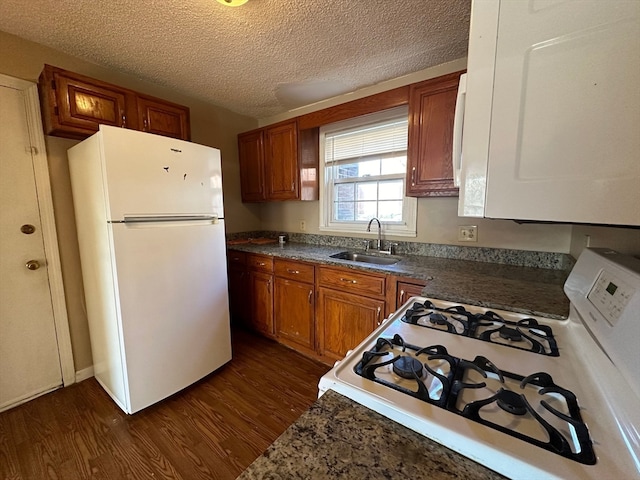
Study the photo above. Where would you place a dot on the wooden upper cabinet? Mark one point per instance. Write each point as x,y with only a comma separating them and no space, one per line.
251,157
281,161
74,106
163,118
274,165
432,106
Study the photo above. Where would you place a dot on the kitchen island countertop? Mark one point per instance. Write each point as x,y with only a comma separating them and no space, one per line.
341,439
527,290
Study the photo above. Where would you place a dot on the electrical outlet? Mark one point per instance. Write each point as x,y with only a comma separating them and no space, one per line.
303,225
468,233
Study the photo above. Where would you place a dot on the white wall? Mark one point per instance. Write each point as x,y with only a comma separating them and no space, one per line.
624,240
437,223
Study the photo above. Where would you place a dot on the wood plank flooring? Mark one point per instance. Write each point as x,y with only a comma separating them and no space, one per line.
211,430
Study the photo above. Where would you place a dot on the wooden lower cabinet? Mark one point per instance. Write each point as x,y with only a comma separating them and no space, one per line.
294,307
406,290
321,311
344,320
261,301
238,285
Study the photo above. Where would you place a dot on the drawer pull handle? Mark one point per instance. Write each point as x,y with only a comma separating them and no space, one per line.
295,272
413,176
260,264
310,295
378,317
348,280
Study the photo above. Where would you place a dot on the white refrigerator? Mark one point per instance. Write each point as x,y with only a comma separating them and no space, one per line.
150,221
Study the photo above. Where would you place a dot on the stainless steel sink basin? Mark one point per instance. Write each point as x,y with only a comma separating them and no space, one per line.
364,258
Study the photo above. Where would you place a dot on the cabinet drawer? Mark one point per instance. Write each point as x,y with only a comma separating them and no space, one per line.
262,263
302,272
236,260
352,281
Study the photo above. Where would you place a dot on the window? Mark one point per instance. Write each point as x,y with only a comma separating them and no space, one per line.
363,174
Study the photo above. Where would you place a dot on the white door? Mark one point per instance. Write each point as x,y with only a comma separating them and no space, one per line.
30,362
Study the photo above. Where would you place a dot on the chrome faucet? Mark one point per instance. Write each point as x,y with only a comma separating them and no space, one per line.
379,241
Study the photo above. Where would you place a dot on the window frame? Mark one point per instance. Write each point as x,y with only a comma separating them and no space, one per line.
408,227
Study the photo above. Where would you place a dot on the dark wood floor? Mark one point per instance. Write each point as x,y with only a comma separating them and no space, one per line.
212,430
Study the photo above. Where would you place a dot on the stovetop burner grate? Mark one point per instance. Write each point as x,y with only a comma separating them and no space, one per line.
533,408
526,334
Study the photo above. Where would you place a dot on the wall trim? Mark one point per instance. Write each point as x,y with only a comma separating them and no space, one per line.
84,374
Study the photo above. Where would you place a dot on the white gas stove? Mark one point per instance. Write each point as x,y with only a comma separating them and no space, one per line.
528,397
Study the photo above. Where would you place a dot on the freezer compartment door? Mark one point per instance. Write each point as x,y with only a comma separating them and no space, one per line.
172,285
147,174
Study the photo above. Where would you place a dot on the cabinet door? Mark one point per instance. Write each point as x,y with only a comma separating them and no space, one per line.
294,311
344,320
407,290
238,286
74,105
564,135
251,158
432,106
163,118
261,294
281,161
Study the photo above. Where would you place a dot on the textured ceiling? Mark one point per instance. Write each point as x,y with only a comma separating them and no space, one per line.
260,59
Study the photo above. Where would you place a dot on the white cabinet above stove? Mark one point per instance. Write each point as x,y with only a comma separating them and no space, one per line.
551,112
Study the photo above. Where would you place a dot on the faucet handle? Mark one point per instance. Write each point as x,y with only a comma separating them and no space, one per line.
367,245
392,246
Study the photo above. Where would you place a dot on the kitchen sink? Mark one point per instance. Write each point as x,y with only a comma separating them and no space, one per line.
364,258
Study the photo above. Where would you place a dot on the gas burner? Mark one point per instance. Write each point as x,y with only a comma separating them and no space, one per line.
437,318
510,334
525,334
401,366
511,402
407,367
530,408
453,319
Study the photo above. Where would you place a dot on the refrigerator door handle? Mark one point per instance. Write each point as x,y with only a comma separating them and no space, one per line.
167,218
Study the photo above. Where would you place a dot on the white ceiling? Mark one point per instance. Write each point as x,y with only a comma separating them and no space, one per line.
259,59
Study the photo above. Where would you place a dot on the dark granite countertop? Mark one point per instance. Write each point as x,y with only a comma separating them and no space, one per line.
533,291
339,438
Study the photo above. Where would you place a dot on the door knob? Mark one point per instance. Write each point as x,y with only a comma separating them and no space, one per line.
27,229
33,265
